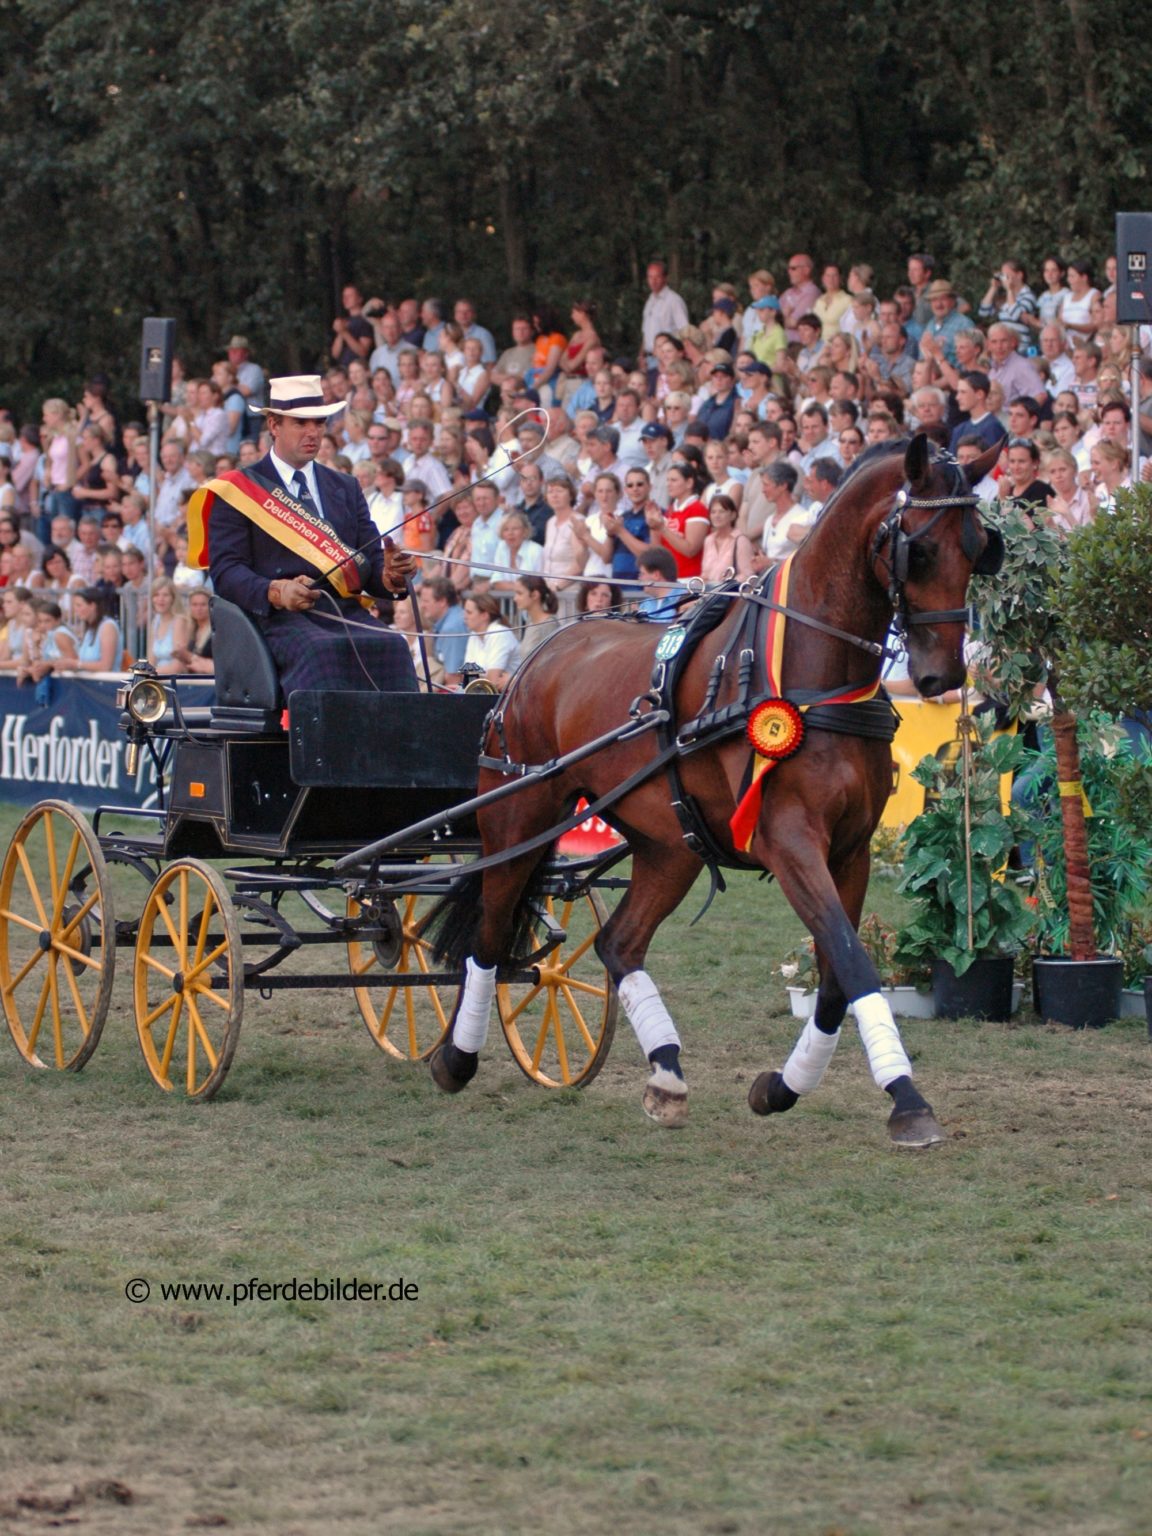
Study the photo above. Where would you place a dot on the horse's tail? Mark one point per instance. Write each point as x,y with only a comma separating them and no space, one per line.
452,926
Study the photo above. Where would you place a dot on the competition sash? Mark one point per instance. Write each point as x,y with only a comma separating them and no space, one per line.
779,731
282,518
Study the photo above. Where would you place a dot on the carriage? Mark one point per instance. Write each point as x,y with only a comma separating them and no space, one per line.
757,738
228,885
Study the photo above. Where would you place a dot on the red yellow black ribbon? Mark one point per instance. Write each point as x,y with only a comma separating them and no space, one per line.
776,726
280,516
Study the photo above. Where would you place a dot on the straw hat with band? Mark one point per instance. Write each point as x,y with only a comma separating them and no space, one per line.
297,394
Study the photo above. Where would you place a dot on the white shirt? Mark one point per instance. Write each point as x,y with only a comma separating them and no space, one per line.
431,471
528,562
497,649
663,311
288,475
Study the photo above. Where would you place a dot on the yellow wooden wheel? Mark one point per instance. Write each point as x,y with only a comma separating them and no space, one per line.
561,1027
188,980
407,1021
57,938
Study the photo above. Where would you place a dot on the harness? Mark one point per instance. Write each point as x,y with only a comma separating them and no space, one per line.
774,718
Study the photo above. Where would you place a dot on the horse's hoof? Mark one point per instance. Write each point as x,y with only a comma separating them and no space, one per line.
915,1128
770,1095
452,1070
666,1099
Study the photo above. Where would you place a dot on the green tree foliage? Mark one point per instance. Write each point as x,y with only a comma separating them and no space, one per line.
233,165
1020,616
1106,601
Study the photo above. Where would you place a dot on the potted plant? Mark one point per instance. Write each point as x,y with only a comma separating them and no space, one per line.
906,985
967,919
1116,780
1057,614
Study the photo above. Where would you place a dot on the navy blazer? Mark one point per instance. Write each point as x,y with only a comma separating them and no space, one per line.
243,559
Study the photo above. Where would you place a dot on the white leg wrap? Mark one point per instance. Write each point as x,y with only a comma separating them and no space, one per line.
809,1059
470,1031
881,1039
646,1012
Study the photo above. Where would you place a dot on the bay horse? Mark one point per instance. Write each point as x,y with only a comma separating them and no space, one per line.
899,537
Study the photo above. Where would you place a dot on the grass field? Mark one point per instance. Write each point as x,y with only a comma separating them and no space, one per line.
752,1326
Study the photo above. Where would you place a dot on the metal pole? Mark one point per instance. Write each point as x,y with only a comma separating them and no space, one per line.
1134,401
153,476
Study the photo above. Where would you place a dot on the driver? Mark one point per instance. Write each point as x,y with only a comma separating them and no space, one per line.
293,544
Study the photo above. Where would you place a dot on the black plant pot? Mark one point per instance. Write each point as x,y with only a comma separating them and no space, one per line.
1148,1003
1082,993
983,992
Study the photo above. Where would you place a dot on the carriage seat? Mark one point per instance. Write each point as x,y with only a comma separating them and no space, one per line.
248,696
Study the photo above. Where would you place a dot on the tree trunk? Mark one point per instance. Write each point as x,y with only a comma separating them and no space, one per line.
1081,930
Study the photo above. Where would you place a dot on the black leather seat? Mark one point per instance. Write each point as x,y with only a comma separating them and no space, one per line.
248,696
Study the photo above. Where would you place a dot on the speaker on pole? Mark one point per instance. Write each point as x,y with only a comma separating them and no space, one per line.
1133,277
156,347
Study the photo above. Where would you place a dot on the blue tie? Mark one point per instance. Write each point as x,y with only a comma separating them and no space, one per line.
302,493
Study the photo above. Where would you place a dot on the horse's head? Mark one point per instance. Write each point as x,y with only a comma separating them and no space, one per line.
926,547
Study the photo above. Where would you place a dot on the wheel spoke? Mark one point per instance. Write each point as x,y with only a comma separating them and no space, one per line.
155,964
154,1013
50,850
37,956
577,954
66,878
80,915
213,997
545,1026
386,1011
580,1020
561,1045
57,1021
362,970
198,1026
76,998
33,888
176,1004
177,943
584,986
410,1010
21,922
38,1016
531,997
202,965
202,936
78,955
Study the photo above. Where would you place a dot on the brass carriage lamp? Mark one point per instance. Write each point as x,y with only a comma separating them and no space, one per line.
146,700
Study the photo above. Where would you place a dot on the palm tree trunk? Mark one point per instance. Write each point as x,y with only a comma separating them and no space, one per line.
1081,930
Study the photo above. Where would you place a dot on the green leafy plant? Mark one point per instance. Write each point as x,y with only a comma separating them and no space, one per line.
881,941
1116,780
799,968
937,865
1136,949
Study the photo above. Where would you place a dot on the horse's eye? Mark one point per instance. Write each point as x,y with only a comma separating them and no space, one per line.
921,559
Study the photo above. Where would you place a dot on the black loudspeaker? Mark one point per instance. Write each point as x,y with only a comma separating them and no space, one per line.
157,344
1133,255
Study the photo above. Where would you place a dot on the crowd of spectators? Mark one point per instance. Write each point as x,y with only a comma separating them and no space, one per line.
563,470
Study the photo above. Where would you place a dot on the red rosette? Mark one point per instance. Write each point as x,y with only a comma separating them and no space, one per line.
775,729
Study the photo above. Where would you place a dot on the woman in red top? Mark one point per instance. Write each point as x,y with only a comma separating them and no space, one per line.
684,527
572,362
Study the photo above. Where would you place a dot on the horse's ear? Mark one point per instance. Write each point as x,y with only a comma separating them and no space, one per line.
916,459
985,464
